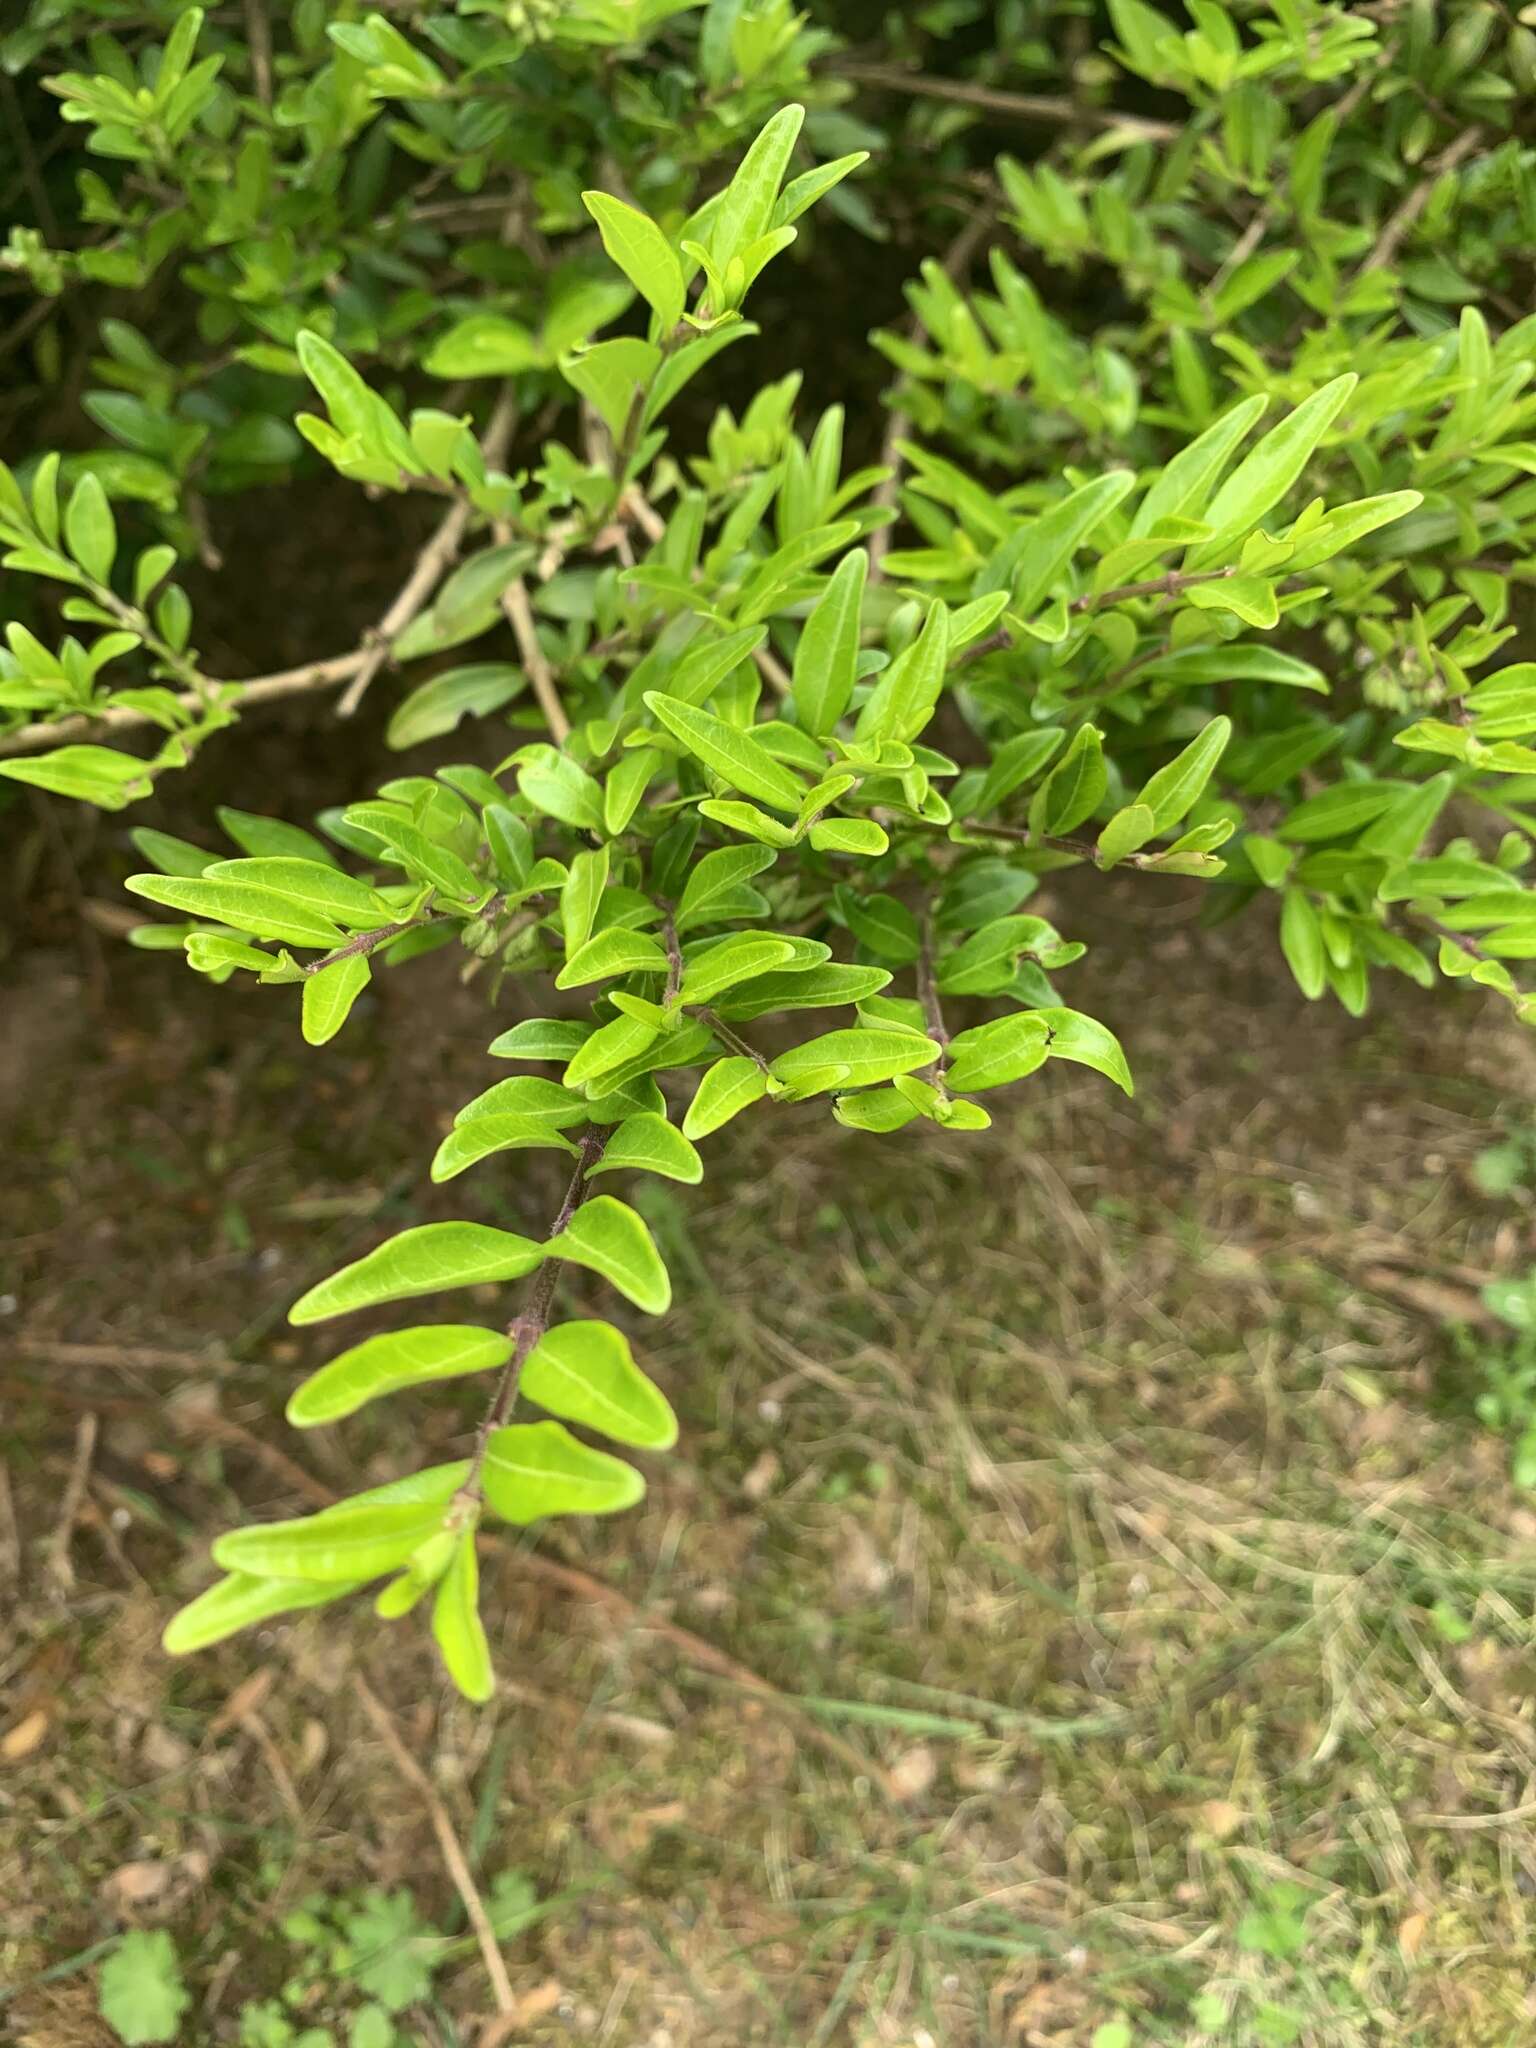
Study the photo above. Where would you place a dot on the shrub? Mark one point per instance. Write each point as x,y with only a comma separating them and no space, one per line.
1197,535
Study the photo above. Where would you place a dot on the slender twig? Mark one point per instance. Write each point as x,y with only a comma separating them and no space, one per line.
431,565
1401,221
429,569
359,667
674,960
367,942
519,614
526,1329
928,996
1169,585
258,35
728,1037
447,1841
1026,106
772,670
1443,931
58,1567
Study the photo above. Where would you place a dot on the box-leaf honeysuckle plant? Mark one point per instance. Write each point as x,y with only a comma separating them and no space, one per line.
766,748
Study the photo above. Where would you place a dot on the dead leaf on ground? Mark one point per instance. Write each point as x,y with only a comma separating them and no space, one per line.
25,1736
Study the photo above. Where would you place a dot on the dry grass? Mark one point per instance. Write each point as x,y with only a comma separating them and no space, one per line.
1096,1479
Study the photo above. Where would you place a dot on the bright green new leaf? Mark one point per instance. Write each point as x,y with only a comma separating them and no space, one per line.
857,1057
1173,789
239,1601
329,996
607,1236
313,885
535,1469
827,656
743,211
738,958
89,528
1089,1043
1301,941
992,1055
345,1544
612,952
649,1144
730,753
420,1261
481,1136
456,1624
1268,471
385,1364
586,1373
861,837
1126,832
256,911
635,243
728,1087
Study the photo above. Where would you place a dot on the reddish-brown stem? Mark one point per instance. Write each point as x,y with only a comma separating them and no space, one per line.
527,1328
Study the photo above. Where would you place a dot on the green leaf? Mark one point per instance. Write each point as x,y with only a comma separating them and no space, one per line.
635,243
607,1236
649,1144
529,1097
420,856
610,1047
170,856
420,1261
612,374
355,1541
885,926
239,1601
1089,1043
1032,559
827,656
272,838
615,951
1264,476
140,1992
585,1372
1075,787
730,753
1126,831
1017,761
561,788
1182,489
456,1624
903,700
717,883
585,882
992,1055
481,1136
94,775
984,964
329,996
745,208
859,836
1301,941
541,1038
821,988
738,958
863,1057
257,911
483,345
436,707
89,528
534,1469
317,887
1335,812
383,1365
728,1087
1174,789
